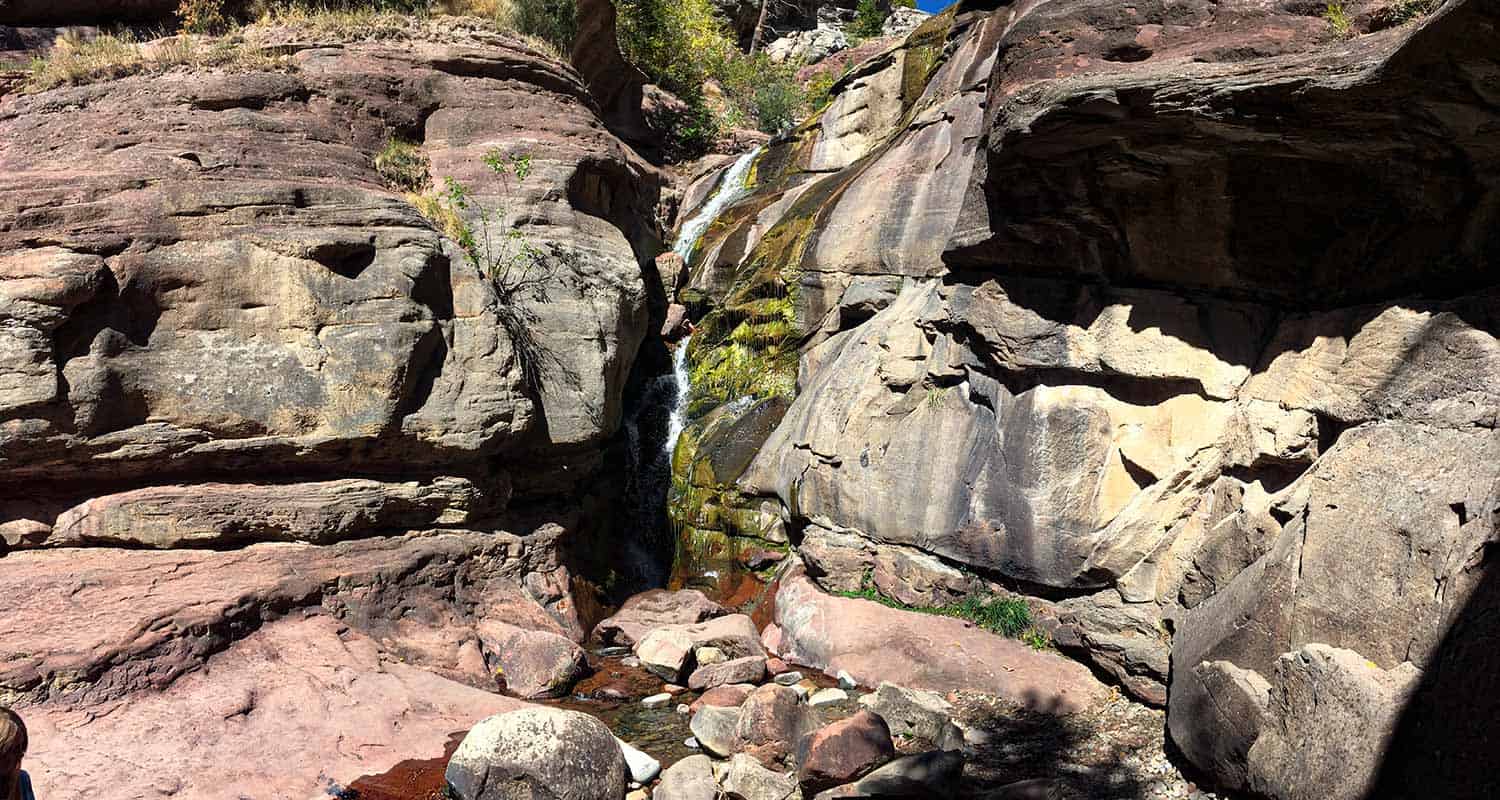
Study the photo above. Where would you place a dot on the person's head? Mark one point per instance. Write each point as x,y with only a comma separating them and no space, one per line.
12,747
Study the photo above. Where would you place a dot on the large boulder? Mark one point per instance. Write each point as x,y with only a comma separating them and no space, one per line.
668,650
875,644
538,752
666,653
771,722
714,727
843,751
1329,726
366,652
1419,545
323,703
647,611
535,664
809,46
254,222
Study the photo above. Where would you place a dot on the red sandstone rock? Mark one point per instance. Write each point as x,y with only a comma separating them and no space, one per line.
874,643
843,752
730,696
772,720
648,611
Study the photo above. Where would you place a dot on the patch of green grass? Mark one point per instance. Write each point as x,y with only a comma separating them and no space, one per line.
1005,616
402,166
1036,638
1338,18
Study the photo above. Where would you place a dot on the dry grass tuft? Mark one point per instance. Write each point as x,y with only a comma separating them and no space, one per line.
74,61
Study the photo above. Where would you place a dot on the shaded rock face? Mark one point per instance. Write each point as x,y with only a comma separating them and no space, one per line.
1156,313
84,12
264,425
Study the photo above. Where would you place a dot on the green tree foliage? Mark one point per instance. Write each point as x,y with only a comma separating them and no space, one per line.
682,45
552,21
869,19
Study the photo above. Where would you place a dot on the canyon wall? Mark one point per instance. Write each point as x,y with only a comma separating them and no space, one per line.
1179,318
259,414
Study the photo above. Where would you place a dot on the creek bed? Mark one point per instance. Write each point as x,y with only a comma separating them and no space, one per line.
613,695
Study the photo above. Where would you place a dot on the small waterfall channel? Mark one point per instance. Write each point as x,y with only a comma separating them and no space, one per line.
660,414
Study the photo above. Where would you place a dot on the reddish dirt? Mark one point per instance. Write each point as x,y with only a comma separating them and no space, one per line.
414,779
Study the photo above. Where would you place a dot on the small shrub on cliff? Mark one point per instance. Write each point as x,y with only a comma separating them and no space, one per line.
1403,11
869,19
205,16
519,269
402,166
1338,19
1007,617
553,21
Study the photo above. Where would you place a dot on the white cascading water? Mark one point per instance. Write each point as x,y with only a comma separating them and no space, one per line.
731,188
681,383
660,413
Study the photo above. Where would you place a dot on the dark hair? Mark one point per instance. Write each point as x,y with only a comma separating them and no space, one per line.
13,742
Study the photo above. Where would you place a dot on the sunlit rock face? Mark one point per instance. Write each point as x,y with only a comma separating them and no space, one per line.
276,482
1180,316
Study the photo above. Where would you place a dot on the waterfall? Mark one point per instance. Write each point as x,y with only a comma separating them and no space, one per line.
656,415
731,188
681,383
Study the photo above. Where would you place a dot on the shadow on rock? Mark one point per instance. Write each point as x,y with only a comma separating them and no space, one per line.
1446,741
1016,753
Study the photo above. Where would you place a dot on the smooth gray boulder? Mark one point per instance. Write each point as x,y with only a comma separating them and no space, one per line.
538,753
692,778
746,779
714,728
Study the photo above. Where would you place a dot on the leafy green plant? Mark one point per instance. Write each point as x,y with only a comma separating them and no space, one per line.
1006,616
1036,638
684,46
869,19
1338,18
518,268
402,166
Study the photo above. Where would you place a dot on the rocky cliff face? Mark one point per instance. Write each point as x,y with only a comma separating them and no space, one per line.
223,332
1178,317
206,278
